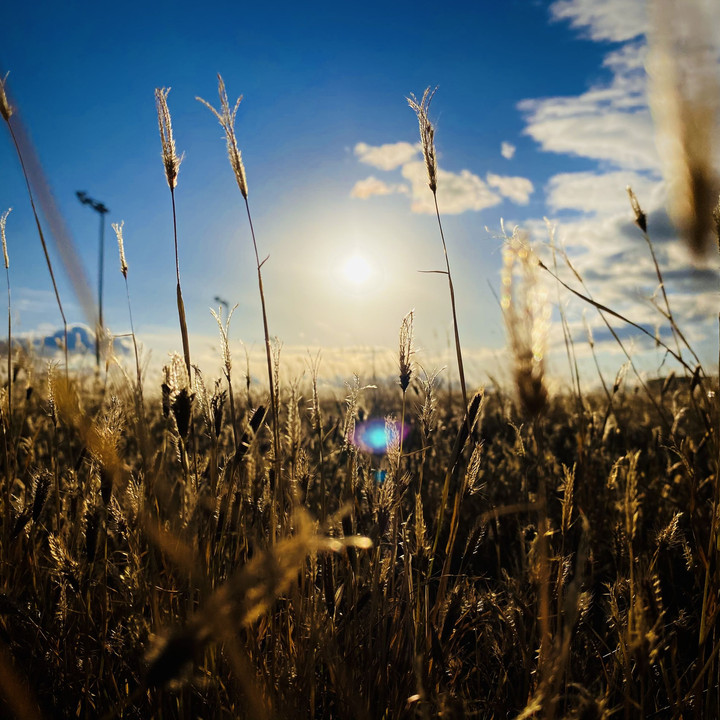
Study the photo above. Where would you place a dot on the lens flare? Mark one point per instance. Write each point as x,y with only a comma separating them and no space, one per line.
371,436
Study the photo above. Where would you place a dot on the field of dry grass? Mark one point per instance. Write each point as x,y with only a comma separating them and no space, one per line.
160,570
210,550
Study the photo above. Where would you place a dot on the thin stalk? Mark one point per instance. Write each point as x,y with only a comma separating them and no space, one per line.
7,432
458,350
135,348
42,241
317,427
180,303
226,118
10,375
676,331
233,420
137,359
268,354
460,440
183,328
101,272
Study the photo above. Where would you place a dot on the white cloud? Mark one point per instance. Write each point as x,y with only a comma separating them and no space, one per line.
517,189
457,192
372,186
613,20
602,193
386,157
570,126
610,122
507,150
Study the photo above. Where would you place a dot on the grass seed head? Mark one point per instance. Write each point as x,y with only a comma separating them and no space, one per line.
176,393
182,410
52,405
224,337
427,134
41,487
171,161
6,110
118,228
428,409
406,350
640,217
226,118
3,221
217,403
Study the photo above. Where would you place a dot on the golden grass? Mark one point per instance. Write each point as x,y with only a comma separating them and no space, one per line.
524,554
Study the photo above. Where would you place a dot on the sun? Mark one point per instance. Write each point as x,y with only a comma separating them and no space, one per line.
357,270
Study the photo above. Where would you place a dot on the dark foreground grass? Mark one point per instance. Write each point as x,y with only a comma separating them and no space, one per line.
142,578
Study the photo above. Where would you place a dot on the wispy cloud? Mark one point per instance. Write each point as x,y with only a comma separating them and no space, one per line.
517,189
507,150
388,156
597,193
457,192
613,20
611,123
370,186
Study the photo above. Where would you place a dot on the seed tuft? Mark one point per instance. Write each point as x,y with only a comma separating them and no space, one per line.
6,110
171,161
3,221
427,134
406,350
226,118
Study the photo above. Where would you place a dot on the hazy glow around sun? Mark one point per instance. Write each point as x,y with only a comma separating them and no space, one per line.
357,270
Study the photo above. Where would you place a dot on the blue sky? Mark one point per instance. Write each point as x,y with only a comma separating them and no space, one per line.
541,110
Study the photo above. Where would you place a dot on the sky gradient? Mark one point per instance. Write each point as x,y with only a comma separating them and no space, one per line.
541,111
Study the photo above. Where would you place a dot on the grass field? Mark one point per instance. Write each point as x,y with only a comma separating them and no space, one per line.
205,549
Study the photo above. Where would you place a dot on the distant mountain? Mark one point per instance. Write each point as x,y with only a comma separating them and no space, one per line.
81,339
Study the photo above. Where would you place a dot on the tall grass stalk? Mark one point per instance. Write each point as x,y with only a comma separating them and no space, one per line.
227,362
6,110
7,431
666,311
3,223
226,118
427,140
118,228
171,163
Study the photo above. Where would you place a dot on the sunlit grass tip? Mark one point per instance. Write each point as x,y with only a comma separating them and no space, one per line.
6,109
226,118
118,228
427,133
171,160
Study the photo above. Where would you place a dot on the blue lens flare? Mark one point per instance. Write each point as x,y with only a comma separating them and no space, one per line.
372,436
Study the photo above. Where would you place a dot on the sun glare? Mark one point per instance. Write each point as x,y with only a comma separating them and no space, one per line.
357,270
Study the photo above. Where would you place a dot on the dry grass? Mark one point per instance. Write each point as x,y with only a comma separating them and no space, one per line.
521,555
